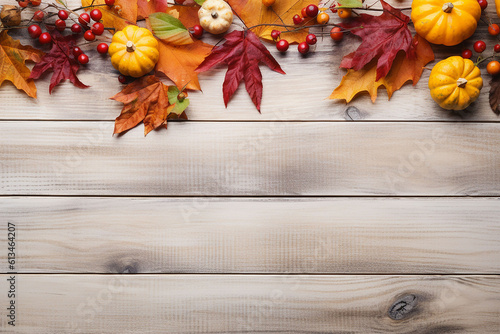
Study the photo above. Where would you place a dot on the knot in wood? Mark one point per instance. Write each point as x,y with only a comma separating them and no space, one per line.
402,307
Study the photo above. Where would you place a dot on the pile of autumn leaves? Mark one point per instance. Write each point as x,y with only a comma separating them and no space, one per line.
388,56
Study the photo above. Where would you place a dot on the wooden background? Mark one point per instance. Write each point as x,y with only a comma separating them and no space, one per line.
312,217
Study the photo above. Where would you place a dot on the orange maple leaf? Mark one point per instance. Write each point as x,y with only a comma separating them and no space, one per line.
253,12
403,69
120,15
150,101
13,56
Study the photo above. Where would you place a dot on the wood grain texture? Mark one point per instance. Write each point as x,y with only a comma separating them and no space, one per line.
255,304
300,95
285,235
285,158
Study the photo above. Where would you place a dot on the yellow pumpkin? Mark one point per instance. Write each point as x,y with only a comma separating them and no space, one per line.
215,16
447,22
455,83
134,51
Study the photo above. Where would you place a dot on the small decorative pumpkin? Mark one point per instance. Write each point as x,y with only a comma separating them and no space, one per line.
447,22
455,83
215,16
134,51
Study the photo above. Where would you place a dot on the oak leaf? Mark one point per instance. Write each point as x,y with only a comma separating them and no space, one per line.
382,38
242,52
13,56
254,12
118,16
403,69
150,101
60,60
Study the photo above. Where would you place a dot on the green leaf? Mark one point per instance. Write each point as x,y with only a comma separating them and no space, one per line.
199,2
62,2
169,29
350,4
173,99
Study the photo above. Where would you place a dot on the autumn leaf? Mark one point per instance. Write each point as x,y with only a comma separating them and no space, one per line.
13,56
382,38
169,29
178,62
253,12
495,94
150,101
118,16
403,69
60,60
242,52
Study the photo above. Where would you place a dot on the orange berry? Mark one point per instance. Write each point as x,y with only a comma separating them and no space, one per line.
323,18
336,34
303,12
494,29
493,67
268,3
344,13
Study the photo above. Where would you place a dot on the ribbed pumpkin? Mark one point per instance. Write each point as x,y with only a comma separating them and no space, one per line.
134,51
215,16
444,21
455,83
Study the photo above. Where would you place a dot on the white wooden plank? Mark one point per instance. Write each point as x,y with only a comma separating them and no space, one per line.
285,235
254,304
300,95
82,158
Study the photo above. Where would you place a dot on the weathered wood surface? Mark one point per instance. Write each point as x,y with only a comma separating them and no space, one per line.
287,235
251,158
256,304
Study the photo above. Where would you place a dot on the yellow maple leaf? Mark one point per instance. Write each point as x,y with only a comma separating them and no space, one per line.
13,56
403,69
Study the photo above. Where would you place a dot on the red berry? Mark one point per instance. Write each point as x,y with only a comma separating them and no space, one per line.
312,10
35,3
109,2
23,4
303,48
496,48
38,16
483,4
297,19
494,29
98,28
282,45
83,59
84,19
479,46
303,12
63,15
76,28
311,39
275,34
467,54
96,14
102,48
60,24
122,79
34,30
77,51
197,31
89,35
336,34
45,38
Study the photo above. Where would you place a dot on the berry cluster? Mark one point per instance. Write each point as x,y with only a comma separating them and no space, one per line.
83,25
479,47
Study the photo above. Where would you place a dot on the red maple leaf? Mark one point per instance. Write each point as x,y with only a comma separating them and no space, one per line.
242,52
382,37
61,60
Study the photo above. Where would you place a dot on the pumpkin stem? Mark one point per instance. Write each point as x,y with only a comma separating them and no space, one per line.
130,46
461,82
215,15
447,7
